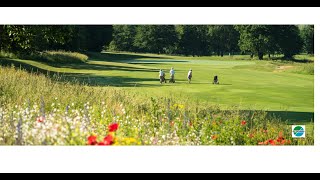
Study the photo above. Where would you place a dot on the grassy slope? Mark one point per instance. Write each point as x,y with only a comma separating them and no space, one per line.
245,83
250,81
74,112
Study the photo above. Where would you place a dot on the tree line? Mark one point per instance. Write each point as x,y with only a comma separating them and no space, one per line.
199,40
194,40
24,39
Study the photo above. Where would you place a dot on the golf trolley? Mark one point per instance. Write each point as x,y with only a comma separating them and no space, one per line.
215,80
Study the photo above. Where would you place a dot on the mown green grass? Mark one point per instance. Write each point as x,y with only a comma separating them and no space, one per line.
250,84
246,84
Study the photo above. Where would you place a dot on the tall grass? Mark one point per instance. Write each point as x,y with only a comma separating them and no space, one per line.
56,57
37,110
305,68
66,57
18,85
62,57
304,57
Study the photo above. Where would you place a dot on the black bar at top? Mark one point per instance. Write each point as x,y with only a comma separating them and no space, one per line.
161,3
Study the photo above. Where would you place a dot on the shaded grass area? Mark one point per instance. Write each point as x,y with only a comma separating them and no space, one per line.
290,116
119,56
86,78
302,58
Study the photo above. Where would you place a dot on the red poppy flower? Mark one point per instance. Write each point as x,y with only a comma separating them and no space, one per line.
108,140
272,142
40,119
243,122
113,127
280,139
101,144
92,140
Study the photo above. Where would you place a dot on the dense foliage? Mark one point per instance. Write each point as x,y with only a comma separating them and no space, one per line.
195,40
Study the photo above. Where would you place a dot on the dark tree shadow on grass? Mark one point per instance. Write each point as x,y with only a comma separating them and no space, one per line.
84,78
130,58
98,67
145,62
291,117
115,81
291,60
117,57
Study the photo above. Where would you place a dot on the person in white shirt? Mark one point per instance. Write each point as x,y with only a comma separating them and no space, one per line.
172,75
189,75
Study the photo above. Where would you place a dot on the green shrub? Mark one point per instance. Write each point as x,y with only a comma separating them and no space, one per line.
4,54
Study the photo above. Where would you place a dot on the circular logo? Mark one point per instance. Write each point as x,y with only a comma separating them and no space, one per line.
298,131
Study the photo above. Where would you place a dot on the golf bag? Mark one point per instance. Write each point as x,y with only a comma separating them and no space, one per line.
215,80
